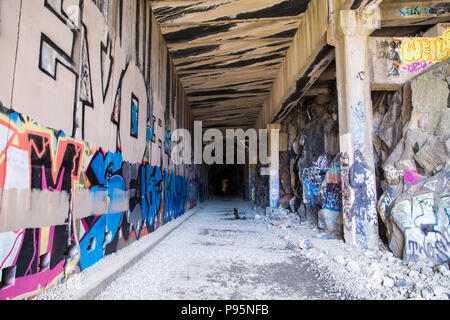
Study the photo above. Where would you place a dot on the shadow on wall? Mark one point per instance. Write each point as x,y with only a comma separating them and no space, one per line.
65,205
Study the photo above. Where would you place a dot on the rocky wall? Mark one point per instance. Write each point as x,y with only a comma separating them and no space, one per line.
412,142
412,162
310,170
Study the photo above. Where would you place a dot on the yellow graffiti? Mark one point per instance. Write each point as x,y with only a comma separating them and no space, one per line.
426,49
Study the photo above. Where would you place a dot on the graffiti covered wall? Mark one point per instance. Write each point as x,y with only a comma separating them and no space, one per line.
398,60
80,169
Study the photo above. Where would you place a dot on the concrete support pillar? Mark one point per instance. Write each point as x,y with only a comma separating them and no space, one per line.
274,178
356,126
252,183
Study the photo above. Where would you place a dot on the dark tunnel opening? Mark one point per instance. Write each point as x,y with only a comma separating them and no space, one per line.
226,180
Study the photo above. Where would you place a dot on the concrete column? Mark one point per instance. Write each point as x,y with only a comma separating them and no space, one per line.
274,178
356,126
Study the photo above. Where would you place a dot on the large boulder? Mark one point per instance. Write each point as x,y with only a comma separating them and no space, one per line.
332,222
433,154
330,217
419,221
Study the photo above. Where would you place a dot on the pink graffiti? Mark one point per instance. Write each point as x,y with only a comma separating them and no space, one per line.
417,66
411,177
32,283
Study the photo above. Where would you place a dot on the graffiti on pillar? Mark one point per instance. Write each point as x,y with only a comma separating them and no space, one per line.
50,53
346,190
274,193
358,126
364,207
361,75
175,195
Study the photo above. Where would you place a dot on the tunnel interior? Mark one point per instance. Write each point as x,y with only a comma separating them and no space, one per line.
226,180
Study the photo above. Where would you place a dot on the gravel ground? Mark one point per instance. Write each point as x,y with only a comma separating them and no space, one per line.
361,274
220,255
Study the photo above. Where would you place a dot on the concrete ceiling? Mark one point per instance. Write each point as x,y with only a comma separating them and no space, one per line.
227,53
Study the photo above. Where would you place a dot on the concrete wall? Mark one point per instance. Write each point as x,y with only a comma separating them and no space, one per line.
86,117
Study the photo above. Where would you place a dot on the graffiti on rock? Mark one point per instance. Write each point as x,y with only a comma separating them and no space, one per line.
411,177
426,226
331,189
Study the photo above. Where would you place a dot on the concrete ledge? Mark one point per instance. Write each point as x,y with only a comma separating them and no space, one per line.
100,283
91,282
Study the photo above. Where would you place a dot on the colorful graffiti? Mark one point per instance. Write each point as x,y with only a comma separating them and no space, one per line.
274,191
424,220
134,116
426,49
167,139
411,177
346,192
313,178
417,66
124,202
331,189
416,11
66,202
42,160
